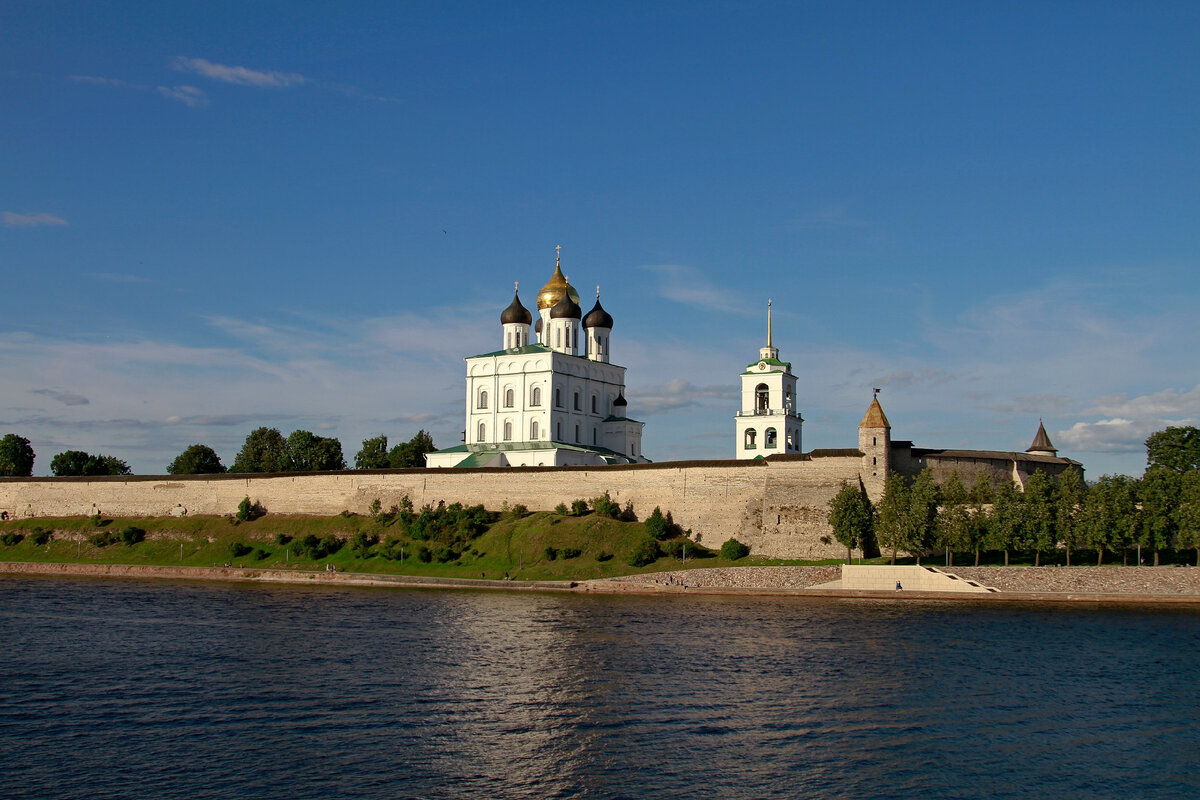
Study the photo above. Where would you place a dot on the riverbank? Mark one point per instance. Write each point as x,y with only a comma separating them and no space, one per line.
1154,585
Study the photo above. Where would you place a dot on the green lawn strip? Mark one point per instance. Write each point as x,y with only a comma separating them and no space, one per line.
516,546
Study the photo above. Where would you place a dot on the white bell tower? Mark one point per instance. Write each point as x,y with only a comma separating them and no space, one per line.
769,421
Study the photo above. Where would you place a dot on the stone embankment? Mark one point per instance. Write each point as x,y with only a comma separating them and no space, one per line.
1077,582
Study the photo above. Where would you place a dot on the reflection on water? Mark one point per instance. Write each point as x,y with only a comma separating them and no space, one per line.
118,689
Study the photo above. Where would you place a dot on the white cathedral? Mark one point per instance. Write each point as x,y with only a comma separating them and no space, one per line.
544,403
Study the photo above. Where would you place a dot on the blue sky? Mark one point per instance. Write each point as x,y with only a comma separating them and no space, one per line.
224,215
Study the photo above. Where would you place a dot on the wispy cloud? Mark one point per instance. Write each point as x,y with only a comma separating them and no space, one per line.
97,80
66,398
1128,421
679,393
689,286
12,219
834,216
190,96
115,277
906,377
239,76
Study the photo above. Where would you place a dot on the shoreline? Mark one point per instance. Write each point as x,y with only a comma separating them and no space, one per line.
788,582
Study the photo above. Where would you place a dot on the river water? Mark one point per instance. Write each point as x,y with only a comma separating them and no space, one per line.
150,689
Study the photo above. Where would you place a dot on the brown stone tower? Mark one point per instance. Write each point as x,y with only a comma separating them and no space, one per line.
875,442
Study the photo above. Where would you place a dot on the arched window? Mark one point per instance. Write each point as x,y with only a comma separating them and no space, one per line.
483,398
770,438
791,441
577,406
558,431
482,435
762,397
594,434
533,430
508,398
593,404
535,396
576,434
508,431
558,398
787,400
751,436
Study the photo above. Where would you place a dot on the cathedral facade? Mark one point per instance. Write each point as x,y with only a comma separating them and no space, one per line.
551,399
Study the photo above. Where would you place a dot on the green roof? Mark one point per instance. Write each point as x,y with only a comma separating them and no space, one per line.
477,454
774,362
518,351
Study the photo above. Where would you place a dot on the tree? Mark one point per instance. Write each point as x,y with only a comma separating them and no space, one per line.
953,527
16,456
308,452
374,454
921,514
199,459
892,510
980,528
1040,529
1068,508
852,517
411,454
1158,492
1004,521
1189,512
1175,448
1109,514
263,451
78,463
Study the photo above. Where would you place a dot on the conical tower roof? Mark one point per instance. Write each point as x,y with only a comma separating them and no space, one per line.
875,418
1041,442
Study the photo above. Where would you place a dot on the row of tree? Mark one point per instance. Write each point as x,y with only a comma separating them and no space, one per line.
1160,511
265,450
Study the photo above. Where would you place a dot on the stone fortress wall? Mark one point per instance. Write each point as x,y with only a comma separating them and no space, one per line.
778,506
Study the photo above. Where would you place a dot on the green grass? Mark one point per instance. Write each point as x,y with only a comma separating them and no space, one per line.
512,545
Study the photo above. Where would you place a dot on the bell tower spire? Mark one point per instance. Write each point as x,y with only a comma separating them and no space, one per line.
770,352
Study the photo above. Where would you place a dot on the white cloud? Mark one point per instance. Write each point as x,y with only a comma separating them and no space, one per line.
14,220
240,76
190,96
688,286
66,398
96,80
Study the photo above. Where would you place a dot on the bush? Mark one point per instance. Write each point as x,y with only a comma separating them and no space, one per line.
561,509
627,514
375,508
550,553
282,538
443,554
579,507
657,525
243,512
361,544
423,554
9,538
39,536
131,536
645,553
733,550
238,549
603,556
102,539
518,511
308,547
570,552
259,554
329,545
606,507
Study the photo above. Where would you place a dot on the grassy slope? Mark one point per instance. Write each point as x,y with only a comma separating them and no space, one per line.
513,546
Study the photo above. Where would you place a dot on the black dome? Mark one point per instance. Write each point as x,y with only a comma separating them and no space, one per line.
516,313
598,317
566,308
620,401
537,328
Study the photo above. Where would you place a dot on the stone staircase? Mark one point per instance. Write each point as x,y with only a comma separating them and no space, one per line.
908,578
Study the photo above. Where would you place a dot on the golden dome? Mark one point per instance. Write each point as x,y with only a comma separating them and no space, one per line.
555,288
